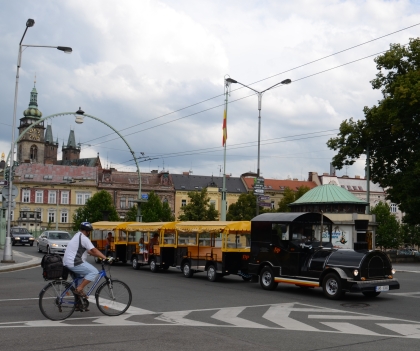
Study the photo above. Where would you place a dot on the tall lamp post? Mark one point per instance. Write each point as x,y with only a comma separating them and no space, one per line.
260,93
224,190
8,255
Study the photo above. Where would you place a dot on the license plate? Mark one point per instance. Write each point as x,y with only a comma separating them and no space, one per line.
382,288
24,241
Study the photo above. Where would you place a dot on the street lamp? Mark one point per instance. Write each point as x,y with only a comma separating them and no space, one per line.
8,255
260,93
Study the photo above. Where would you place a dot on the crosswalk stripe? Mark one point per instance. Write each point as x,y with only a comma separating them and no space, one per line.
349,328
230,315
411,330
359,318
178,318
279,314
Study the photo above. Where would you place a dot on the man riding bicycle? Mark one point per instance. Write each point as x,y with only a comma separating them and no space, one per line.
76,254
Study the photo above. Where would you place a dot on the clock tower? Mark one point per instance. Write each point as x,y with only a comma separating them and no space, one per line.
30,148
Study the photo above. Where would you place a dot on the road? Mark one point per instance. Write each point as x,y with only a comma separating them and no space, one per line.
170,312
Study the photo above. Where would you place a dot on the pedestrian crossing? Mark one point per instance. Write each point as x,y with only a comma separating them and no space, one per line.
283,316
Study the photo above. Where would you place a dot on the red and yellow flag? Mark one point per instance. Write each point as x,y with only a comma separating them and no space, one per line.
224,128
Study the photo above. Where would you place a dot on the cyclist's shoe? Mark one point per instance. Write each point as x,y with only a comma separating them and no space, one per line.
80,293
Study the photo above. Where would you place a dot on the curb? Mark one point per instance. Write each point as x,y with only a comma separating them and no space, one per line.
32,262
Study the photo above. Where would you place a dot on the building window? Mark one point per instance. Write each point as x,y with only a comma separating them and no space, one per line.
183,203
52,197
64,217
39,197
131,202
123,203
26,195
51,216
394,208
212,202
273,205
33,153
64,197
81,198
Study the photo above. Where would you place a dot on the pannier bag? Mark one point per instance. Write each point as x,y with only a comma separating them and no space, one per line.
52,267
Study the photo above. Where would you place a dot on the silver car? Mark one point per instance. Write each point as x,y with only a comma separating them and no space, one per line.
53,241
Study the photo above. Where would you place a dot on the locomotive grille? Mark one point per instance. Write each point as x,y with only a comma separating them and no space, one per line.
376,267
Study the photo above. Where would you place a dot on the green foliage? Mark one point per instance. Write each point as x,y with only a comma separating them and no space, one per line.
243,209
390,130
96,208
410,234
152,211
388,232
290,196
199,208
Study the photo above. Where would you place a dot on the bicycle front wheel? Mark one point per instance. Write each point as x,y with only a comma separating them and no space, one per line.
113,297
55,302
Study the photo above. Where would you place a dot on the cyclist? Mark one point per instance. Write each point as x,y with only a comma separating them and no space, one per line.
76,254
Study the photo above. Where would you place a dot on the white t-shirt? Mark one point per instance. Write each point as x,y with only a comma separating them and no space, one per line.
76,251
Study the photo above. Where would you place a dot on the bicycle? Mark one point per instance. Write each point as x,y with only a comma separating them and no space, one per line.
57,300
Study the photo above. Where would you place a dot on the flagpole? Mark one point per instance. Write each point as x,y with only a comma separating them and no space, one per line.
223,209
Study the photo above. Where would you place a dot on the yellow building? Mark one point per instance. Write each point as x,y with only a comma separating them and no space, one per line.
186,182
48,195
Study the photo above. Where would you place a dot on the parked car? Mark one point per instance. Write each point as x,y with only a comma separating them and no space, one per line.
21,235
53,241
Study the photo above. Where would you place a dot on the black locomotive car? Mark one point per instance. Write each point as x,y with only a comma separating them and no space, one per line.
291,248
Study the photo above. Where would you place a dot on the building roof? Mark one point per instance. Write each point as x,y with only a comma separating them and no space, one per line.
49,135
279,184
53,174
352,184
88,162
328,193
189,182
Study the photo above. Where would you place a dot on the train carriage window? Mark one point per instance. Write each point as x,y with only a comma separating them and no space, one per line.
278,233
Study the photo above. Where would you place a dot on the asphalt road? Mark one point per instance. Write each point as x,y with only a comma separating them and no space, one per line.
170,312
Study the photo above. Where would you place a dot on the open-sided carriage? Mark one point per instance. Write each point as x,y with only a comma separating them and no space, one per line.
155,245
123,243
218,247
296,248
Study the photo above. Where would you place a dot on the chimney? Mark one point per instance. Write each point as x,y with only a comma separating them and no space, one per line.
357,176
186,173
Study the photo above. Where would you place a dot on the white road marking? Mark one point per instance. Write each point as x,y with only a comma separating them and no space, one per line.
279,314
178,318
349,328
359,318
230,315
409,330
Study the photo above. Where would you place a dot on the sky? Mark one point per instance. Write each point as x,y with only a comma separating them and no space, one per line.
155,71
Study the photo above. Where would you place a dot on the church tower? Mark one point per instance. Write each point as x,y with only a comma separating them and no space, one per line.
71,151
31,146
51,147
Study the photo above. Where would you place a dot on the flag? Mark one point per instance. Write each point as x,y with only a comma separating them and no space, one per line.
224,128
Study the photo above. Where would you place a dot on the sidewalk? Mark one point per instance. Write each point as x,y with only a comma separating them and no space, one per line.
22,261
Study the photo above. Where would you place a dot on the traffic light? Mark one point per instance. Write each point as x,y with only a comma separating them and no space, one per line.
6,173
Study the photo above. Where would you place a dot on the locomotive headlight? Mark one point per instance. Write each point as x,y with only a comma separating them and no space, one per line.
393,271
355,272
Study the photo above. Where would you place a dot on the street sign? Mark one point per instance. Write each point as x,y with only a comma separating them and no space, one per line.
4,182
144,196
259,186
258,191
262,198
5,204
264,204
5,191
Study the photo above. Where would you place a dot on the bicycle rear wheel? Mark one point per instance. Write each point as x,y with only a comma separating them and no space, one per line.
54,304
113,298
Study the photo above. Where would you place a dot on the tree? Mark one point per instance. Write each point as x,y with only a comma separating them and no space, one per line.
199,208
152,211
290,196
390,130
243,209
388,232
410,235
96,208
